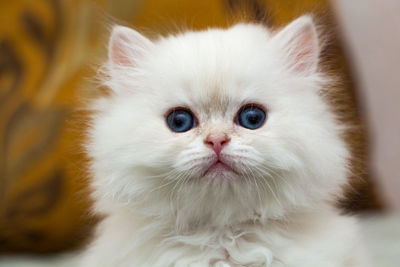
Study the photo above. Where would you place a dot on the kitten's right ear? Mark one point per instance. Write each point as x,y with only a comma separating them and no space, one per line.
126,45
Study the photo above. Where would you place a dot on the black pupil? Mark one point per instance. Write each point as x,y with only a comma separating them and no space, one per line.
253,118
179,120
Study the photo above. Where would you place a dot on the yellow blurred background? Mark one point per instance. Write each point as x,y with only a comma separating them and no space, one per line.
49,50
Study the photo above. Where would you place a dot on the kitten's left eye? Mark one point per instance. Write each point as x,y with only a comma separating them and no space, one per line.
251,117
180,120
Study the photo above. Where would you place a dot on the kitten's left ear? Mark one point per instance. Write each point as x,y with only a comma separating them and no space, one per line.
126,46
299,46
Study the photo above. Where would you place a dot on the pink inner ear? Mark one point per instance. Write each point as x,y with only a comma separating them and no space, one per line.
126,45
299,43
118,52
305,56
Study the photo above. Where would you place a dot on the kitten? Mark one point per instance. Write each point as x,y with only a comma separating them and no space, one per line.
215,148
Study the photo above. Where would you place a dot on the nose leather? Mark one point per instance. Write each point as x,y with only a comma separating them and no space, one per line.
217,141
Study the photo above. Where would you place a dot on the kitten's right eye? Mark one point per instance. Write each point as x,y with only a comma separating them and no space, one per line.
180,120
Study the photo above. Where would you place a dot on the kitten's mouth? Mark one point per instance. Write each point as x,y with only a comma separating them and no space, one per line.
219,168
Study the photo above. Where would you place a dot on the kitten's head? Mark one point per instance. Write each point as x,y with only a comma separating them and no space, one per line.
218,126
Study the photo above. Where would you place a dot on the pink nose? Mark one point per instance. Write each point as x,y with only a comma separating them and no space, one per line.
217,141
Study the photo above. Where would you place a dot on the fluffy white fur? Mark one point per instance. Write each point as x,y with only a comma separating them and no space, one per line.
277,211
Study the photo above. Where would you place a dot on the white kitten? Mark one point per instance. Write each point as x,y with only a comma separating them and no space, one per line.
217,149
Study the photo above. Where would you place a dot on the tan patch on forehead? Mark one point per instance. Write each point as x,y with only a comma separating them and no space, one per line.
217,99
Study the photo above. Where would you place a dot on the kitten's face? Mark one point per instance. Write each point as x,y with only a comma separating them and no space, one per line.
221,126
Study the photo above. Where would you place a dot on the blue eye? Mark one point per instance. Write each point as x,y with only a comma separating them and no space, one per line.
251,117
180,120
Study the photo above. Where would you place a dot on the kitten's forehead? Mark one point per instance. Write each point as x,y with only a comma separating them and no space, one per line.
210,68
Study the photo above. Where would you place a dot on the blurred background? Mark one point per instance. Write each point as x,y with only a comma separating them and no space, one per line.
49,51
